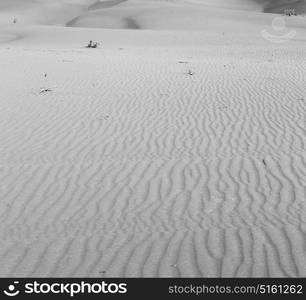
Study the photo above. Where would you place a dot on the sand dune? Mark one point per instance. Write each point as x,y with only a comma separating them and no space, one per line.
162,153
136,14
278,6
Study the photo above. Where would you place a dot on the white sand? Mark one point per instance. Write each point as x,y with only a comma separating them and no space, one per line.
120,163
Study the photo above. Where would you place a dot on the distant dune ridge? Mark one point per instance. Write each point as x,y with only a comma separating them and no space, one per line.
173,150
125,13
278,6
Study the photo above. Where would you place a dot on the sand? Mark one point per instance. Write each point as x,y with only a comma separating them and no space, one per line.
176,149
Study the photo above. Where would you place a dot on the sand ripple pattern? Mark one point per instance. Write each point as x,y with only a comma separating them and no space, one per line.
129,166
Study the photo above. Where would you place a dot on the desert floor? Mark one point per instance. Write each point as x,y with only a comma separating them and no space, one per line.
176,148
